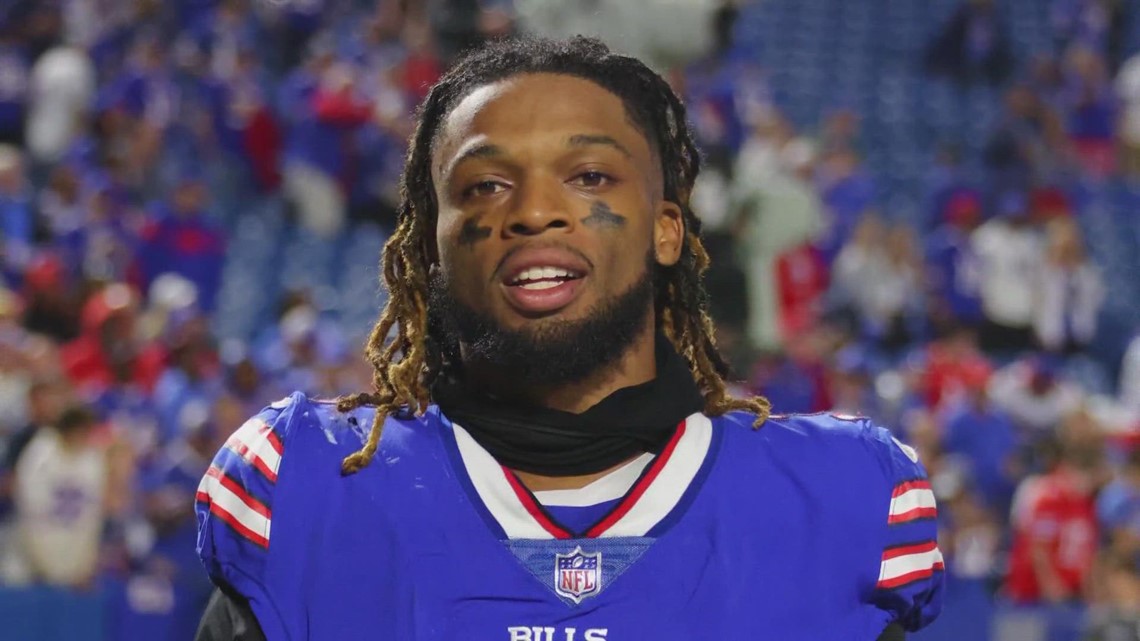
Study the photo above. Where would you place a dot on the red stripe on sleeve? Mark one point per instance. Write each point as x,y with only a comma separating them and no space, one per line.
239,491
274,440
913,515
907,579
242,450
903,488
232,521
904,550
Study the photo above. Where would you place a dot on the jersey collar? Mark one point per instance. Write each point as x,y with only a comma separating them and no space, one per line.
660,489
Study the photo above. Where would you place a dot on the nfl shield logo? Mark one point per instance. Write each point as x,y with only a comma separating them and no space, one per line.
577,575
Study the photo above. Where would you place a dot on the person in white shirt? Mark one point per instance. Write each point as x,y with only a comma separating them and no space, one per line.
777,211
1010,254
62,87
1033,394
1070,291
60,496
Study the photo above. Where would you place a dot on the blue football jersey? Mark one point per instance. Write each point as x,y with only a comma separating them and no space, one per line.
812,527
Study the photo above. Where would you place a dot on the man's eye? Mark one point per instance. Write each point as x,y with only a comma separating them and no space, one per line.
484,188
592,179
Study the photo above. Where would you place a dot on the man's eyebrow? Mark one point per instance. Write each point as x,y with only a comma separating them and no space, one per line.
585,140
478,151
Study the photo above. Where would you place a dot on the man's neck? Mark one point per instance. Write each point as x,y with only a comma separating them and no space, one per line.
636,366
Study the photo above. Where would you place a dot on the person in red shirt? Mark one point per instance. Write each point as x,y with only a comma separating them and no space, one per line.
1054,524
802,280
952,365
108,352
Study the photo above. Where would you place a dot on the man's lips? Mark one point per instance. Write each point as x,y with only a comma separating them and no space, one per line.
542,297
519,260
541,280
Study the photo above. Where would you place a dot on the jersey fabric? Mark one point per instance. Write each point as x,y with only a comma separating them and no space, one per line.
812,527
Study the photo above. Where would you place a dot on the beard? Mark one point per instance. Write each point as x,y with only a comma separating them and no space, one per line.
553,352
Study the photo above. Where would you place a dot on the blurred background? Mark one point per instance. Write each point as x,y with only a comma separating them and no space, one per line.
925,212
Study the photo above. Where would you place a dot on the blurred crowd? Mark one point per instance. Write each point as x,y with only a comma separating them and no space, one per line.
135,133
133,136
965,326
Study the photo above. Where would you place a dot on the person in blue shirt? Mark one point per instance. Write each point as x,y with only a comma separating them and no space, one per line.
1118,507
181,238
549,451
987,439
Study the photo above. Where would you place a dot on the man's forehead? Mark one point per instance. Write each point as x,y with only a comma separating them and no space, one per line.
528,105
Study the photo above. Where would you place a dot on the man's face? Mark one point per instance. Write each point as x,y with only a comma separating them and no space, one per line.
550,207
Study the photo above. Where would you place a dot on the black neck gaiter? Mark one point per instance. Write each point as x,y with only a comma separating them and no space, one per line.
550,442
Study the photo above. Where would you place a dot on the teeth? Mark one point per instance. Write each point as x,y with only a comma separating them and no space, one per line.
541,273
541,284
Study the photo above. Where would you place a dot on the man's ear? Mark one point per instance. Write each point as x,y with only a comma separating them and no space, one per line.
668,233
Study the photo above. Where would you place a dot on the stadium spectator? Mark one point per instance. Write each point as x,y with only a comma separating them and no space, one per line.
1071,291
972,46
15,368
1116,616
244,125
1030,391
797,376
167,494
320,169
63,85
181,238
986,439
189,379
802,280
51,299
1026,144
41,408
61,486
850,384
1009,256
857,264
1054,527
1090,111
947,366
110,351
1118,509
778,212
104,247
848,191
952,269
880,273
59,202
302,351
17,228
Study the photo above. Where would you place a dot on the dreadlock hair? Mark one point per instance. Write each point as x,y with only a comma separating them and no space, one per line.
681,305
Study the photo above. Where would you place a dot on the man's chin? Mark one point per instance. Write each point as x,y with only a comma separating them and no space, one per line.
557,348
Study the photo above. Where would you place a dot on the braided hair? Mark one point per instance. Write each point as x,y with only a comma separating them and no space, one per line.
405,366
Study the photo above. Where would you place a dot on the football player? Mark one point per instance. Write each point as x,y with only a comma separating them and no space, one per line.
549,452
